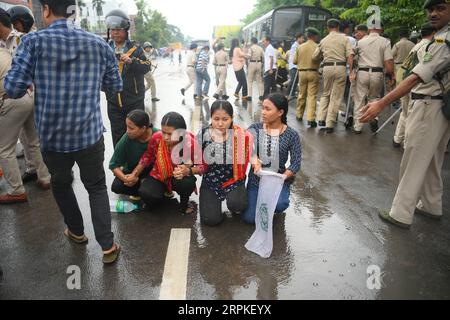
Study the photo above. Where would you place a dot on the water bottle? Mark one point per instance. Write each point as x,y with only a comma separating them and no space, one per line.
121,206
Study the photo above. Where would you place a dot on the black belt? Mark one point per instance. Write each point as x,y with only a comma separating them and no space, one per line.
308,70
221,65
399,63
255,61
417,96
332,64
190,66
371,69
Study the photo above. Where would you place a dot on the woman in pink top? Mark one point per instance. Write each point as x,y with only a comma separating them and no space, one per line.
238,60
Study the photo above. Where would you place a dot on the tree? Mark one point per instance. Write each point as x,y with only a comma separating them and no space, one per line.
98,6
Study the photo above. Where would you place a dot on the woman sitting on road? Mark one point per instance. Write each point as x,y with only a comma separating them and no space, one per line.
171,152
129,151
275,141
226,154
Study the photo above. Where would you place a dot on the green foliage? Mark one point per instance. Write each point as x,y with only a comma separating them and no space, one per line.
152,26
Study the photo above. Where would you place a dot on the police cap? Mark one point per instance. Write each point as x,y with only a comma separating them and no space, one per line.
313,31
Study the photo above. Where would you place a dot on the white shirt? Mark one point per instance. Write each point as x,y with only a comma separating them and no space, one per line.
353,41
268,53
292,55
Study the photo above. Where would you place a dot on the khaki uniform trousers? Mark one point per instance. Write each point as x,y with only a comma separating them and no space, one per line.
334,80
190,71
420,185
150,84
368,88
308,89
15,116
221,74
254,73
399,136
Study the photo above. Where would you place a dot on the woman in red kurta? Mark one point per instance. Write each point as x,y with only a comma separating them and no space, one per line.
173,152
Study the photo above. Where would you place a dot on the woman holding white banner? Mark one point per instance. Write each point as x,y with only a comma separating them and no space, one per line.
226,155
274,143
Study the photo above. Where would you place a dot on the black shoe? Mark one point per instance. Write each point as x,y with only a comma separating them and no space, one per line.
300,119
249,98
322,124
155,99
225,97
358,131
374,125
329,130
396,145
312,124
216,96
349,123
29,177
183,91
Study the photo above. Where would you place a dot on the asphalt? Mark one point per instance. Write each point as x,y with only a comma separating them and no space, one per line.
324,244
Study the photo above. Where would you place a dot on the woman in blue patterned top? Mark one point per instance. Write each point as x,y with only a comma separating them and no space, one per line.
275,141
226,155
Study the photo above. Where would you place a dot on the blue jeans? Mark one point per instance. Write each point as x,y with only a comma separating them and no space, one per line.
252,194
202,76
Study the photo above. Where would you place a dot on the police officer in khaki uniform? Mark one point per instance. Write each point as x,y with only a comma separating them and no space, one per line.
149,79
191,60
420,187
308,70
254,71
374,60
336,52
220,62
427,34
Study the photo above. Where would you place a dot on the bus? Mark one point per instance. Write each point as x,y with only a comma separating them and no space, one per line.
283,23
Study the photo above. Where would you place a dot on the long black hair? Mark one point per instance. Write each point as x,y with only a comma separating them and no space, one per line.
234,44
140,118
222,105
174,120
281,103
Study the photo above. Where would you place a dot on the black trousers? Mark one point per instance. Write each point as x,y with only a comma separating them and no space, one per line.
90,162
270,84
242,82
117,116
119,187
152,191
211,206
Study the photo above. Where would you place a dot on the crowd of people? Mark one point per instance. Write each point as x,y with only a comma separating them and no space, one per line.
50,88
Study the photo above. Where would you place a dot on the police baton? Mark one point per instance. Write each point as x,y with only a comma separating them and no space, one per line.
388,120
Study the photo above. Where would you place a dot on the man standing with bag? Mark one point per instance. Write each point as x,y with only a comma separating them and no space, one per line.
420,187
69,67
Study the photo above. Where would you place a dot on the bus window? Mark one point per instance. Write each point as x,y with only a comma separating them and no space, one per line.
287,22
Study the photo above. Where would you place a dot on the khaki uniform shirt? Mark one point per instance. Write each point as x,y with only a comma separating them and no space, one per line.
401,50
256,53
373,51
431,62
303,56
190,58
221,58
335,47
12,42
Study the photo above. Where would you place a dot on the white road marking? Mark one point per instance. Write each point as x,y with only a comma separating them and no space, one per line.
173,286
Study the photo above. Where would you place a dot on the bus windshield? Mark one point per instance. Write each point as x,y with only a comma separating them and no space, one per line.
287,22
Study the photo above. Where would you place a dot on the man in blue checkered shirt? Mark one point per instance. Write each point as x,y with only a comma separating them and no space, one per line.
68,67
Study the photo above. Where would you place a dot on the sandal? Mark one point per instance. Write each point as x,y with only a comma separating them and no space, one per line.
77,239
111,257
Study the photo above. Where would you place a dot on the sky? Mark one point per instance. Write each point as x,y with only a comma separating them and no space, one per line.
196,18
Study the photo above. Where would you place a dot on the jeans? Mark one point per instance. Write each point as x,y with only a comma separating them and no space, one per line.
211,206
252,194
270,83
202,75
242,82
90,162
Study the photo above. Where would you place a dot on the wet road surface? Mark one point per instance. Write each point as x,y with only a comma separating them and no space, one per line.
323,246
